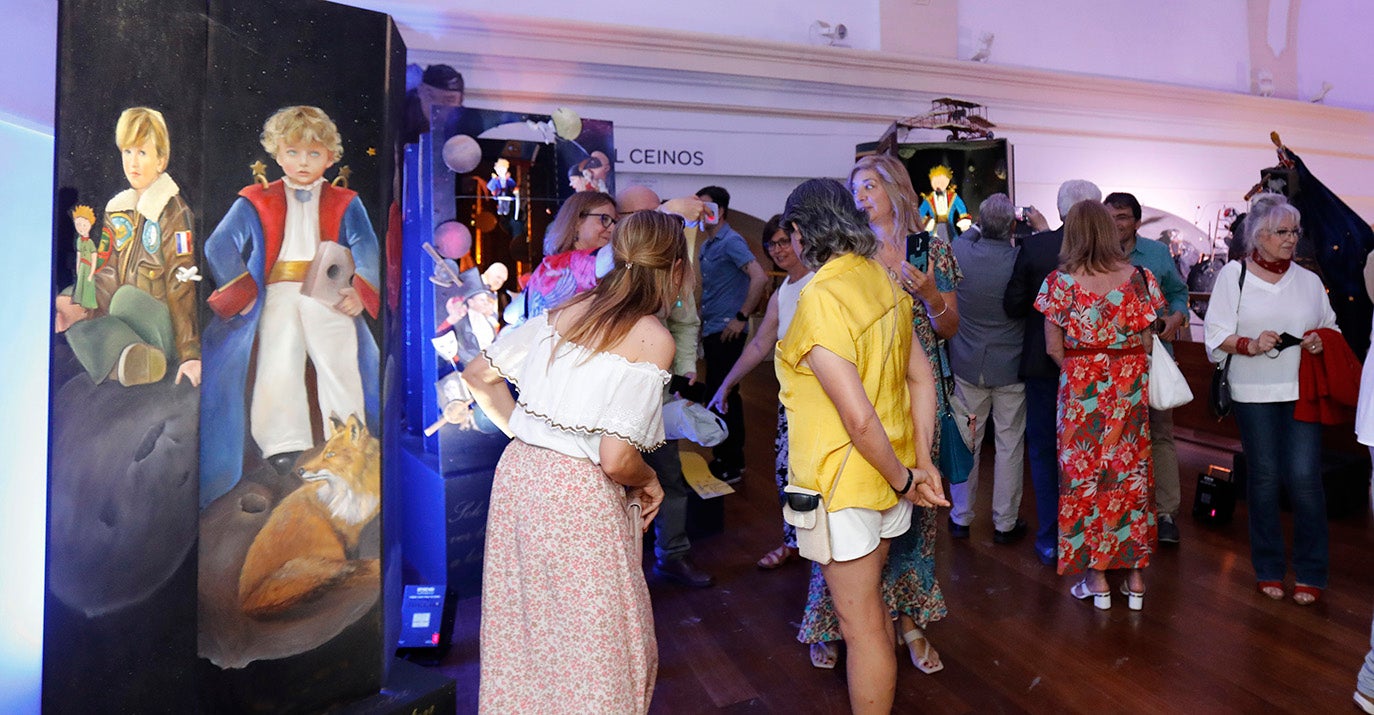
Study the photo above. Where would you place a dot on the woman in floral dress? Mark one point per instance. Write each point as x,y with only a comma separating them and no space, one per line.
882,188
1098,313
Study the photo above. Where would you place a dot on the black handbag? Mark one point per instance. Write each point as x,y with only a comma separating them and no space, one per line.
1220,397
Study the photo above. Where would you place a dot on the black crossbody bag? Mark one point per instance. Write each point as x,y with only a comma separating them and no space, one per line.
1220,397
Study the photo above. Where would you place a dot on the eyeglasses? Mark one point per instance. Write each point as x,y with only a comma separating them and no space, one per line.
607,220
770,245
1294,232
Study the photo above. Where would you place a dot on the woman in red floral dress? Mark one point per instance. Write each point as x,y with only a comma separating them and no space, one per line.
1098,312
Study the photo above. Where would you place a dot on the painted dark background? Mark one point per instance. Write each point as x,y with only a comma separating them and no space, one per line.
120,628
120,599
981,168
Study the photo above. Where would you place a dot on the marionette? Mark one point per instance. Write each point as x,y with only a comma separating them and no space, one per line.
943,210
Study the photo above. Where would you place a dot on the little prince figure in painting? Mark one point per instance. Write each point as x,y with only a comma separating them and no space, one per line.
259,256
943,210
89,257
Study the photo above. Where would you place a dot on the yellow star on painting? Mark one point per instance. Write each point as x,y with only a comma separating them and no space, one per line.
258,167
371,151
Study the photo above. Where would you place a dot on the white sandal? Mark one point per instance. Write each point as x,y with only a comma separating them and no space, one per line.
1135,600
922,662
1101,601
823,655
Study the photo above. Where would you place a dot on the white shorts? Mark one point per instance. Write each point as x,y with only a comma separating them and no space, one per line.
856,532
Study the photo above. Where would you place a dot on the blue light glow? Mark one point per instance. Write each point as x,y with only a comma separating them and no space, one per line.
26,186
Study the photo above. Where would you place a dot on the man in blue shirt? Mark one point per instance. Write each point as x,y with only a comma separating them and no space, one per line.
1155,257
732,286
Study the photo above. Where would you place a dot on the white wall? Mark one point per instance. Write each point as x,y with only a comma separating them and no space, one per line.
1334,46
1194,44
766,114
773,20
1197,44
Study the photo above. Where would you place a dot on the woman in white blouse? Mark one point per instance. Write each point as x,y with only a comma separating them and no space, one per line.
566,619
1264,316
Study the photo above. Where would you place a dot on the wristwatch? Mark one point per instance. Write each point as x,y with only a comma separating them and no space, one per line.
741,317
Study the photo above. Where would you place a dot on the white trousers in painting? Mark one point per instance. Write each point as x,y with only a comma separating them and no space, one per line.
293,327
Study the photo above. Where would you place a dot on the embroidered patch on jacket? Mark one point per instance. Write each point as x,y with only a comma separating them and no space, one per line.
123,230
183,243
152,237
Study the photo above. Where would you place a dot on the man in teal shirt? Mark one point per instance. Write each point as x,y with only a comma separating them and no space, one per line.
1155,257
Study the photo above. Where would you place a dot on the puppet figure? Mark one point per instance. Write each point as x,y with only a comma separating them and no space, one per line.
502,188
944,212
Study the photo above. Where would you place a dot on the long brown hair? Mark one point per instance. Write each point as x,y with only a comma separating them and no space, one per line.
562,233
1090,241
650,259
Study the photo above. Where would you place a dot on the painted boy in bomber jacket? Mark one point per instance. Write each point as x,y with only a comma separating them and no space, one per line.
144,319
258,256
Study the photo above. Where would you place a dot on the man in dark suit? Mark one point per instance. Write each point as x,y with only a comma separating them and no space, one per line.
1038,258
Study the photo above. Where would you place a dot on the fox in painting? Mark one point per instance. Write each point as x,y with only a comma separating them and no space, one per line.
305,546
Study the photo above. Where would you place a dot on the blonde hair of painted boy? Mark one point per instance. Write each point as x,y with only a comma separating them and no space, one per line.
137,125
301,125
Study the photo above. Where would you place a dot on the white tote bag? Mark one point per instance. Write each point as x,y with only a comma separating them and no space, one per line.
1168,388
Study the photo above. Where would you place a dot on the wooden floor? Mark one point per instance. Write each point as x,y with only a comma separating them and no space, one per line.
1014,641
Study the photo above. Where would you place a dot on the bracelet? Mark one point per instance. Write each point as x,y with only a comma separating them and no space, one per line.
910,478
943,310
1243,346
741,317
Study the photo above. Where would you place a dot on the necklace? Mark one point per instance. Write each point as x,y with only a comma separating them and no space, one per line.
1279,266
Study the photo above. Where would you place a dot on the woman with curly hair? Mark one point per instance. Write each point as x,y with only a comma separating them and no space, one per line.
860,404
881,188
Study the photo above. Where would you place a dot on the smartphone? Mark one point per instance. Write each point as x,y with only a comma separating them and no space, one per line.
1022,213
710,214
918,249
1287,340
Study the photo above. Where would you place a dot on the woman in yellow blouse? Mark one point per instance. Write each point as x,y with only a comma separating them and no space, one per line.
861,407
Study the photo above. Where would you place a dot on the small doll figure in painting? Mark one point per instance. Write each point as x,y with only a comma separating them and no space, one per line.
943,210
502,188
89,257
134,314
259,256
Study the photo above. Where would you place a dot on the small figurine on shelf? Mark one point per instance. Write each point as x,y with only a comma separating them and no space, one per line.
89,257
943,210
503,189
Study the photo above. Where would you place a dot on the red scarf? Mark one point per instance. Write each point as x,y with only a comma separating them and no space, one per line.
1280,266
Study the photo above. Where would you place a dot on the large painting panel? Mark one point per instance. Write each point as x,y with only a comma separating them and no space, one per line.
299,120
119,620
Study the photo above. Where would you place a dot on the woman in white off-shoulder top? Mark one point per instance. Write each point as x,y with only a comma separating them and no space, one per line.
566,619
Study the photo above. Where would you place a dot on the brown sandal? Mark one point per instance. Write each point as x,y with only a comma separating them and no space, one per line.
777,557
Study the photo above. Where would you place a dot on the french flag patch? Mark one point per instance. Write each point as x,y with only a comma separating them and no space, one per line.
183,243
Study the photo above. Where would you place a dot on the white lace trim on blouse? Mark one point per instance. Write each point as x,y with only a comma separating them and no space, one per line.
581,391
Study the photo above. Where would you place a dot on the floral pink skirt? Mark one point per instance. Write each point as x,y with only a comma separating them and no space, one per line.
567,625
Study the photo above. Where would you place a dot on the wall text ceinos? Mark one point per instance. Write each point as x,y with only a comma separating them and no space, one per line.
661,157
